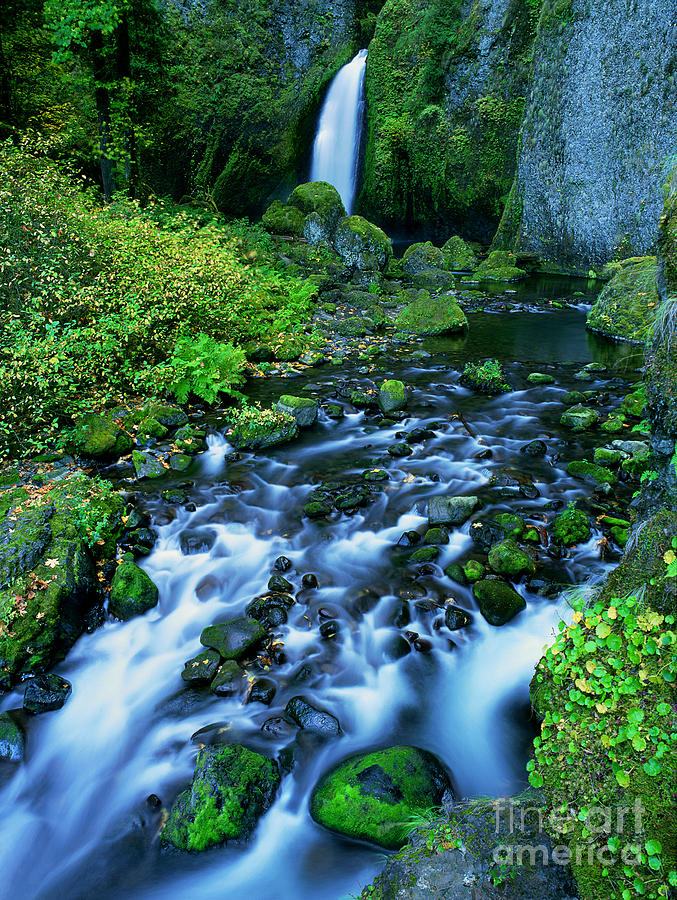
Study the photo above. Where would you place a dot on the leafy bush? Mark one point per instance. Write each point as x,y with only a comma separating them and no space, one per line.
205,367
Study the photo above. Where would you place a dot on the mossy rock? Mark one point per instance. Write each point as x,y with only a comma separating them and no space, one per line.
421,257
99,436
603,456
132,591
588,471
500,266
353,326
498,601
281,219
571,527
512,524
321,199
626,307
166,414
486,377
458,255
372,796
508,558
12,740
634,404
431,317
259,435
392,396
362,245
233,639
579,418
147,465
232,788
302,409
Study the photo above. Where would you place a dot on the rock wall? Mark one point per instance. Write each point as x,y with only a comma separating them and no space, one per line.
600,120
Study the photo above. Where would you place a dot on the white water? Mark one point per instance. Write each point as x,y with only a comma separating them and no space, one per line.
336,151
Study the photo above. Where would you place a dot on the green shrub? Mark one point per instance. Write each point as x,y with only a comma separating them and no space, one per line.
205,367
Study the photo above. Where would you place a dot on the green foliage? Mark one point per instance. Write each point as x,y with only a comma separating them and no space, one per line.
487,377
605,687
205,367
95,301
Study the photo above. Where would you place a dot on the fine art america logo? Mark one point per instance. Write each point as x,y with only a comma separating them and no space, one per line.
613,835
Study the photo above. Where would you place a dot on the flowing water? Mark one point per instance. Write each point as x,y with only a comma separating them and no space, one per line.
75,822
336,151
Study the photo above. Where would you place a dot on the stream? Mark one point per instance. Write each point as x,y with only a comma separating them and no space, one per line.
75,819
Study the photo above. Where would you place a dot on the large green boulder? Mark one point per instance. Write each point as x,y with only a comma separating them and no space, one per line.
421,257
232,640
392,396
451,510
132,591
320,201
500,266
147,465
372,796
258,429
232,788
626,308
302,409
430,317
508,558
579,418
498,601
362,245
571,527
99,436
459,256
285,220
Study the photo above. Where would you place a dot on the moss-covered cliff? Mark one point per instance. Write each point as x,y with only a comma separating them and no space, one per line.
445,87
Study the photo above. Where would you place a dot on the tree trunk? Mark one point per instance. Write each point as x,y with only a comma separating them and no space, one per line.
124,73
102,97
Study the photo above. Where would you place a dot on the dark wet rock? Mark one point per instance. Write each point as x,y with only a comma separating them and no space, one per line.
409,539
46,693
418,435
508,558
330,629
231,789
228,680
12,741
456,573
424,555
451,510
280,585
147,465
132,591
270,609
422,645
179,462
530,491
233,639
334,411
309,580
197,541
363,399
456,618
142,539
534,448
375,475
317,509
351,497
486,533
573,398
202,668
369,796
277,727
282,564
175,495
312,719
498,601
436,535
396,647
400,450
262,690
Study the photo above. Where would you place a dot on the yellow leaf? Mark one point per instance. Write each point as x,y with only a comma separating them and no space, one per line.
612,612
601,708
577,616
590,666
669,557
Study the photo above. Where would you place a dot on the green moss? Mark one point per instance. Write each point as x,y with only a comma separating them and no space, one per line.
571,527
605,457
591,472
424,555
512,524
507,558
486,377
458,255
626,308
392,396
499,266
99,436
372,796
579,418
498,601
429,317
362,245
254,428
419,257
287,220
132,591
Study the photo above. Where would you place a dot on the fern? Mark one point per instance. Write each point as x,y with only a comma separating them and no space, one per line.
206,368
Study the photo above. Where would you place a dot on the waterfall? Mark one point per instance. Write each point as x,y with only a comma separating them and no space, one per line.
336,151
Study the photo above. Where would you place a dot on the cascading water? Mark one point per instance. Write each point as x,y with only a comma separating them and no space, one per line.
74,821
336,151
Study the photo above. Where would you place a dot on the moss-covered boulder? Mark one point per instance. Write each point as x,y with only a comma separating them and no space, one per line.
451,510
498,601
202,668
372,796
500,266
626,307
421,257
430,317
232,788
302,409
458,255
257,429
12,741
392,396
571,527
508,558
321,201
100,436
234,639
132,591
147,465
486,377
362,245
579,418
46,693
282,219
591,472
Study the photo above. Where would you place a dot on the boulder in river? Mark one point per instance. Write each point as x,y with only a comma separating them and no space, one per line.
197,540
451,510
231,789
508,558
302,409
202,668
372,796
46,693
421,257
570,527
430,317
147,465
392,396
309,718
12,741
321,200
458,255
228,679
498,601
500,265
132,592
100,436
455,618
233,639
579,418
626,307
362,245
